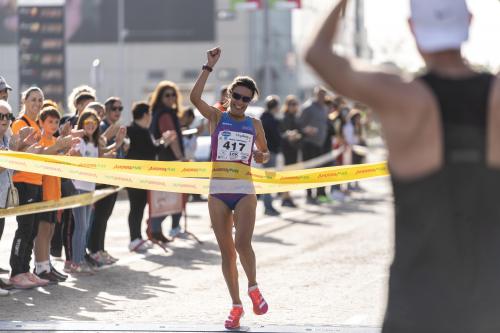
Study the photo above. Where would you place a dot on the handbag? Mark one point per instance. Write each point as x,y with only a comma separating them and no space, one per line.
12,194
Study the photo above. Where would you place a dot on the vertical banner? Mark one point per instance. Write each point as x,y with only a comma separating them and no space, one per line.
42,48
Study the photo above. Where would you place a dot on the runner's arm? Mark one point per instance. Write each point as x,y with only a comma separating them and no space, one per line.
207,111
378,90
261,155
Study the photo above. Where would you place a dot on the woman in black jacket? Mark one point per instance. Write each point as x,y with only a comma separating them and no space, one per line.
290,139
143,146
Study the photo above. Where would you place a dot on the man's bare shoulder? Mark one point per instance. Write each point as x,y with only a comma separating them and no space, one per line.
404,93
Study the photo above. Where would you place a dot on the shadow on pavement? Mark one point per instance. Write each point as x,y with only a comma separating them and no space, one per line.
100,293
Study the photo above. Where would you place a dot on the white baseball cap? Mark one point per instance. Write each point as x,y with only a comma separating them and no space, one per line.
440,25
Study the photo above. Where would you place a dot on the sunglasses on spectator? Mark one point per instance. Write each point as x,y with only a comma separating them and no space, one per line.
7,116
245,99
89,121
168,95
117,108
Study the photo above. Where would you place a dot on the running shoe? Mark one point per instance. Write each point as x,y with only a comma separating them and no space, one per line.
259,303
233,320
324,199
67,266
50,276
271,212
22,281
5,284
338,196
95,260
110,259
288,203
4,292
39,282
312,201
174,232
58,274
136,245
81,269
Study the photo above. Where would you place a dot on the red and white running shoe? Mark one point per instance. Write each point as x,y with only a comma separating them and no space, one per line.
233,320
259,303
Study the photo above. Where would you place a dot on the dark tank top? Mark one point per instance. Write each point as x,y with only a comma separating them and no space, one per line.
445,276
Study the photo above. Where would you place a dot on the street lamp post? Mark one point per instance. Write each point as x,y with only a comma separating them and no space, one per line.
266,50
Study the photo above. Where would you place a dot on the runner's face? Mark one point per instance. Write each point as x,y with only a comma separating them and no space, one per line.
50,125
34,102
4,94
238,106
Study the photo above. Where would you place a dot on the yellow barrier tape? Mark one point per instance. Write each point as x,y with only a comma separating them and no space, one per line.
64,203
187,177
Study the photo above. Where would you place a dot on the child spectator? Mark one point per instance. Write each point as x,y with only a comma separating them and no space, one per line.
88,147
48,120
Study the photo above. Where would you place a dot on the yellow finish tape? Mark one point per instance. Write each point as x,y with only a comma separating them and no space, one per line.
187,177
63,203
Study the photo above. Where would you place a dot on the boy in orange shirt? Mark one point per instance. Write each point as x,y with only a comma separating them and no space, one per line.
48,119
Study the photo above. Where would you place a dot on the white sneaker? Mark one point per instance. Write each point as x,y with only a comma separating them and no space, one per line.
4,292
174,232
146,246
136,245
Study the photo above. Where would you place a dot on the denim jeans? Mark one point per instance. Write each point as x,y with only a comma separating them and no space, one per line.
82,224
156,222
268,198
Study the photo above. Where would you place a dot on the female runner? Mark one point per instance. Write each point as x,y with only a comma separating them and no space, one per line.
233,139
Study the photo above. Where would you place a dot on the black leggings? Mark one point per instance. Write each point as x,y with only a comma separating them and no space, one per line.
102,212
2,225
138,200
67,223
27,228
68,227
310,151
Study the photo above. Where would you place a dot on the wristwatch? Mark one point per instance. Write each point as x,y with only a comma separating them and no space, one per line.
207,68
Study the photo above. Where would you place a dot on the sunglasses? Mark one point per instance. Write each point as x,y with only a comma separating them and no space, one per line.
89,121
7,116
245,99
117,108
167,95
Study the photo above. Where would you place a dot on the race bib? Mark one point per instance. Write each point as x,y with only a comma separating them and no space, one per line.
234,146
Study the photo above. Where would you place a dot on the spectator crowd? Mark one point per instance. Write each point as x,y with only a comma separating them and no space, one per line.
162,128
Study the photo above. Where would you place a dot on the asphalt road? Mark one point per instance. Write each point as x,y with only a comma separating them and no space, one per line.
321,267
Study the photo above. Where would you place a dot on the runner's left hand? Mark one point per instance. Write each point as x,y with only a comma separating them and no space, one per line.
259,157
